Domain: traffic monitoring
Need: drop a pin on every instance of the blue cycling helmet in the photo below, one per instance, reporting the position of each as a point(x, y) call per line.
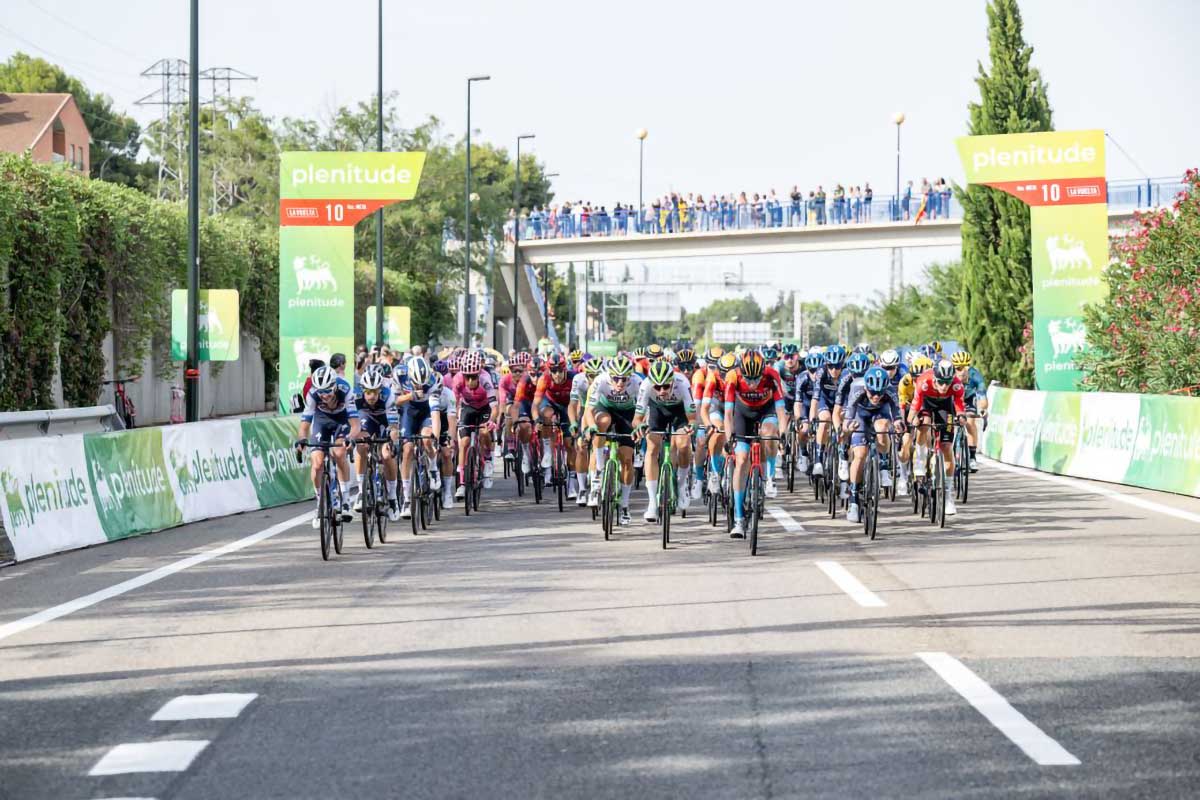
point(791, 349)
point(441, 366)
point(813, 361)
point(835, 356)
point(858, 364)
point(928, 351)
point(876, 380)
point(770, 353)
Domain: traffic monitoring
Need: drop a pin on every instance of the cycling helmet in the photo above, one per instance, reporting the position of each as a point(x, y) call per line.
point(441, 366)
point(752, 364)
point(536, 363)
point(519, 361)
point(770, 352)
point(401, 371)
point(472, 364)
point(961, 359)
point(592, 367)
point(937, 346)
point(661, 373)
point(921, 362)
point(556, 363)
point(454, 365)
point(686, 358)
point(371, 381)
point(438, 384)
point(858, 364)
point(813, 361)
point(876, 380)
point(908, 356)
point(324, 379)
point(889, 359)
point(726, 362)
point(489, 362)
point(862, 347)
point(419, 372)
point(943, 372)
point(775, 345)
point(835, 356)
point(928, 351)
point(790, 350)
point(620, 367)
point(713, 354)
point(575, 357)
point(639, 352)
point(654, 352)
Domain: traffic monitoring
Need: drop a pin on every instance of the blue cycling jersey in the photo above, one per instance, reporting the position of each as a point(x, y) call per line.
point(974, 385)
point(339, 404)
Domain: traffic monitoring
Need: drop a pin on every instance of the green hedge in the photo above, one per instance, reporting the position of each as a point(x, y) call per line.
point(80, 258)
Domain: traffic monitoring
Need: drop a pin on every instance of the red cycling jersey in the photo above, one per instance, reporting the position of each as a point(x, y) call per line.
point(737, 390)
point(714, 386)
point(929, 389)
point(525, 387)
point(557, 393)
point(698, 379)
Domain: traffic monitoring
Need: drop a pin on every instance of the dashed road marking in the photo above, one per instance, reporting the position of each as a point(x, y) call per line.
point(203, 706)
point(87, 601)
point(850, 584)
point(785, 519)
point(169, 756)
point(988, 702)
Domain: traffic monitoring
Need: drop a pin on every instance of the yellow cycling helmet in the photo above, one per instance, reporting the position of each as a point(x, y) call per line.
point(654, 352)
point(727, 362)
point(920, 363)
point(937, 346)
point(713, 354)
point(961, 359)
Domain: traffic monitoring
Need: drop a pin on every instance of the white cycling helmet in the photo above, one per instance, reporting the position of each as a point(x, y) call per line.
point(324, 379)
point(889, 359)
point(372, 380)
point(418, 372)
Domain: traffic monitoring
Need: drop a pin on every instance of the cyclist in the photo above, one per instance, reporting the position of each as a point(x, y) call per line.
point(378, 417)
point(824, 398)
point(489, 365)
point(938, 395)
point(665, 402)
point(705, 365)
point(975, 397)
point(712, 408)
point(577, 411)
point(329, 415)
point(576, 359)
point(477, 405)
point(904, 392)
point(641, 364)
point(787, 364)
point(520, 405)
point(551, 397)
point(654, 352)
point(805, 387)
point(871, 407)
point(856, 367)
point(418, 416)
point(447, 423)
point(753, 406)
point(613, 402)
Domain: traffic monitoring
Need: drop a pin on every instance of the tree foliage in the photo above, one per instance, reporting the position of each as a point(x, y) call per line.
point(1145, 335)
point(918, 313)
point(997, 288)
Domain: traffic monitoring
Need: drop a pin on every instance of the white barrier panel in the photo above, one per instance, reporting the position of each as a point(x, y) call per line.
point(207, 468)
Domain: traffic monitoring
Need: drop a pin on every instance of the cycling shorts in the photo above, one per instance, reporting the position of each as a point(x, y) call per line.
point(416, 418)
point(621, 420)
point(525, 410)
point(470, 417)
point(375, 427)
point(866, 426)
point(560, 411)
point(325, 428)
point(825, 402)
point(662, 418)
point(940, 409)
point(746, 420)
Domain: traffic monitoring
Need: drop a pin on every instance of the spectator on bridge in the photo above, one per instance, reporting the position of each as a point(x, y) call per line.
point(868, 195)
point(839, 204)
point(822, 198)
point(945, 197)
point(794, 209)
point(907, 201)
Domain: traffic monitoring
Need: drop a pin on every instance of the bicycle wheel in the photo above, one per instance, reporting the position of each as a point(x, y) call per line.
point(941, 510)
point(381, 508)
point(323, 513)
point(755, 509)
point(560, 477)
point(818, 484)
point(437, 502)
point(871, 518)
point(339, 528)
point(713, 504)
point(468, 478)
point(368, 507)
point(962, 461)
point(937, 485)
point(727, 494)
point(518, 473)
point(789, 461)
point(416, 489)
point(608, 500)
point(475, 492)
point(665, 497)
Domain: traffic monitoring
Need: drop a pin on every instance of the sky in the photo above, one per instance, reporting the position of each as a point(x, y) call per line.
point(768, 95)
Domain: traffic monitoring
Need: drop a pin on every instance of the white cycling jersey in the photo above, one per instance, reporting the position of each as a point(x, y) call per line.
point(604, 395)
point(680, 394)
point(579, 388)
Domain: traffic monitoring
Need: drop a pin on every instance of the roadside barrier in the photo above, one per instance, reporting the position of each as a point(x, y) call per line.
point(75, 491)
point(1147, 440)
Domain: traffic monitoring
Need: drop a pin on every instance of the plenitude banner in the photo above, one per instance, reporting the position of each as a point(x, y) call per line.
point(277, 477)
point(208, 469)
point(322, 196)
point(1061, 176)
point(130, 482)
point(218, 325)
point(1144, 440)
point(397, 324)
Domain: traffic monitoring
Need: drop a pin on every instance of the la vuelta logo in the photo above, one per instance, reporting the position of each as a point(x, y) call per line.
point(33, 497)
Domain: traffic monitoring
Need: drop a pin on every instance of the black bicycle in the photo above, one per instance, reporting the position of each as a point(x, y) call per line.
point(329, 499)
point(374, 493)
point(472, 469)
point(422, 495)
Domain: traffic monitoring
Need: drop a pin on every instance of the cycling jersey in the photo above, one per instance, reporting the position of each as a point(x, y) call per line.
point(738, 390)
point(905, 389)
point(579, 388)
point(679, 396)
point(826, 385)
point(482, 396)
point(699, 377)
point(973, 386)
point(557, 393)
point(506, 390)
point(927, 389)
point(861, 408)
point(340, 403)
point(806, 386)
point(606, 397)
point(377, 416)
point(843, 388)
point(787, 378)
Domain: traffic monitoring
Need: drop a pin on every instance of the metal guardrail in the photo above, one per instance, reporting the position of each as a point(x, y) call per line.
point(59, 422)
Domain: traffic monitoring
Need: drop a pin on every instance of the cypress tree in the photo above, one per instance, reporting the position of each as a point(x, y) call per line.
point(997, 289)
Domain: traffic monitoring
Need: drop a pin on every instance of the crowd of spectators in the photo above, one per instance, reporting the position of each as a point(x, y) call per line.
point(674, 212)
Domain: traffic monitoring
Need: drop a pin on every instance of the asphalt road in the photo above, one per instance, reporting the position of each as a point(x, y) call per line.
point(1046, 643)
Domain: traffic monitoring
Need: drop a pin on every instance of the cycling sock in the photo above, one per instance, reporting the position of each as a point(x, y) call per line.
point(581, 480)
point(545, 445)
point(361, 480)
point(771, 468)
point(626, 490)
point(346, 490)
point(718, 463)
point(447, 485)
point(971, 450)
point(407, 491)
point(681, 475)
point(652, 489)
point(854, 492)
point(739, 497)
point(391, 487)
point(698, 472)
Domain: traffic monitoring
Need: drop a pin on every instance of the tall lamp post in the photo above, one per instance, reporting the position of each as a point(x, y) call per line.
point(641, 134)
point(516, 300)
point(546, 279)
point(897, 118)
point(191, 371)
point(467, 222)
point(379, 213)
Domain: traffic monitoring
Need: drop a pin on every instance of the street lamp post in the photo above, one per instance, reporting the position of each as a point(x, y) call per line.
point(641, 134)
point(516, 300)
point(467, 222)
point(191, 372)
point(897, 118)
point(379, 213)
point(546, 280)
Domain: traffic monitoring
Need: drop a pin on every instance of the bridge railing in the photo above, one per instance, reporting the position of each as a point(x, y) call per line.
point(1122, 195)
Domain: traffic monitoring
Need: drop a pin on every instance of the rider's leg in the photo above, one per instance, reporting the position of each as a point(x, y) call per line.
point(389, 470)
point(318, 464)
point(741, 467)
point(406, 468)
point(626, 454)
point(770, 449)
point(653, 445)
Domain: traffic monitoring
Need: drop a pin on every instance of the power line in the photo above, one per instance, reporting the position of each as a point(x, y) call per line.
point(1129, 157)
point(84, 32)
point(69, 61)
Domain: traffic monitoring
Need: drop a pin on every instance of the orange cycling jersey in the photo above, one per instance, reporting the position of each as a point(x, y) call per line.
point(525, 387)
point(767, 389)
point(714, 386)
point(698, 379)
point(557, 393)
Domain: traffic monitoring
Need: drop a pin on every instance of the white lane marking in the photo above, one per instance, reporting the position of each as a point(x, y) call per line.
point(203, 706)
point(850, 584)
point(1104, 491)
point(87, 601)
point(169, 756)
point(785, 519)
point(988, 702)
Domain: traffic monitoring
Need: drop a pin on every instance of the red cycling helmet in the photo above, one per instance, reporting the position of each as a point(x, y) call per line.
point(556, 363)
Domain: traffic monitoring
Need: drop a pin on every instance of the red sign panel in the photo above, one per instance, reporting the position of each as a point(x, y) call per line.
point(1061, 192)
point(327, 212)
